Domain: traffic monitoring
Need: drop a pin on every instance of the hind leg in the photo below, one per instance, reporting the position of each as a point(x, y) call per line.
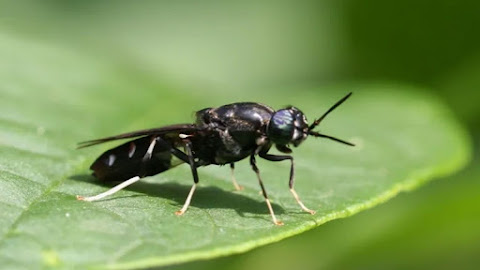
point(110, 191)
point(146, 158)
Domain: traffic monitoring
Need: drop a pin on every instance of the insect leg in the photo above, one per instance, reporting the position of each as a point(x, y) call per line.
point(124, 184)
point(177, 153)
point(292, 177)
point(148, 155)
point(110, 191)
point(193, 166)
point(234, 180)
point(264, 192)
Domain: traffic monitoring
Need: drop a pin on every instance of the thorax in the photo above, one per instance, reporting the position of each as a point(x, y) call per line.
point(236, 129)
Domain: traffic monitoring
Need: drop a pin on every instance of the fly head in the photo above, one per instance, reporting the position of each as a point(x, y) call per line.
point(288, 126)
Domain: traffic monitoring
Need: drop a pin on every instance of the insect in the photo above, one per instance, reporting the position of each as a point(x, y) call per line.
point(220, 136)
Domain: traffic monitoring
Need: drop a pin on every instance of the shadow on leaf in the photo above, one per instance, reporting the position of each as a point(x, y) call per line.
point(205, 197)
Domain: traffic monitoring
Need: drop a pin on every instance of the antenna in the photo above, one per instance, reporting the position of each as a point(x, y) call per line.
point(316, 134)
point(316, 122)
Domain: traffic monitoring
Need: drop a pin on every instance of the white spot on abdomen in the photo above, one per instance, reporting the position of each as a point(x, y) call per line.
point(111, 160)
point(132, 149)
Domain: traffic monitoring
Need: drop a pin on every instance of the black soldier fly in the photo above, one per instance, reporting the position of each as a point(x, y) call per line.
point(220, 136)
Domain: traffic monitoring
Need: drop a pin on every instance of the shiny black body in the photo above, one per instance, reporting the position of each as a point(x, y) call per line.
point(234, 131)
point(219, 136)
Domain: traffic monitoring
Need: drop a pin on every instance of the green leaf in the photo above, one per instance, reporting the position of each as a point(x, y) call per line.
point(432, 228)
point(51, 98)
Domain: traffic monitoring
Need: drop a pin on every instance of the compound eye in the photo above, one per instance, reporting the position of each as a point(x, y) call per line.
point(281, 127)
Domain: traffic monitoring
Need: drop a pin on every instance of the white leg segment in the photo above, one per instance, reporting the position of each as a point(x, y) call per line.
point(274, 218)
point(148, 155)
point(304, 208)
point(187, 201)
point(110, 191)
point(234, 180)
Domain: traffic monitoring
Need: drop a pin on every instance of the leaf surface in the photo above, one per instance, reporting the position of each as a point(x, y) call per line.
point(51, 98)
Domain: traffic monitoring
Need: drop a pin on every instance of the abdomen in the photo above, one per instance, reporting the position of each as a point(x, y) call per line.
point(126, 161)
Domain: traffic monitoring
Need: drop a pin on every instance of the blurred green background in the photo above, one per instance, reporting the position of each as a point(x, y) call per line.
point(203, 47)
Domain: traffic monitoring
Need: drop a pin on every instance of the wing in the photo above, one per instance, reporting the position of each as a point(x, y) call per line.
point(166, 131)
